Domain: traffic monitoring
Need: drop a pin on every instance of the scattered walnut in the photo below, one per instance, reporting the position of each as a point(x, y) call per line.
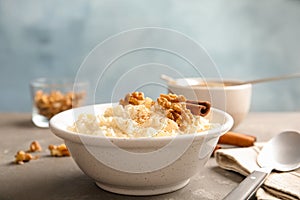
point(173, 107)
point(136, 98)
point(148, 102)
point(138, 95)
point(177, 107)
point(162, 101)
point(34, 146)
point(59, 151)
point(173, 98)
point(175, 116)
point(50, 104)
point(22, 157)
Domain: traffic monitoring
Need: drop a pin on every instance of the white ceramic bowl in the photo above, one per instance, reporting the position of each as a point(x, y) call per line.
point(140, 166)
point(233, 99)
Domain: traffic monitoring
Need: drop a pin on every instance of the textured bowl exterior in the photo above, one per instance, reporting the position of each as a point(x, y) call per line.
point(86, 151)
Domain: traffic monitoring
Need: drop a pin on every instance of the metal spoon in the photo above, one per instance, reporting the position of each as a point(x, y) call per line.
point(281, 153)
point(288, 76)
point(167, 78)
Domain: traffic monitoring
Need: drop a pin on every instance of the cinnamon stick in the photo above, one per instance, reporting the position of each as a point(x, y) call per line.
point(201, 108)
point(237, 139)
point(215, 149)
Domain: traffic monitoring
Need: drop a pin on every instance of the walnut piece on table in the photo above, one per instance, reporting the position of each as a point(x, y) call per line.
point(35, 146)
point(59, 151)
point(21, 157)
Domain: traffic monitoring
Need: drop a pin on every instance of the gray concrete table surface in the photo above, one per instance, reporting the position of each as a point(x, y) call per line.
point(60, 178)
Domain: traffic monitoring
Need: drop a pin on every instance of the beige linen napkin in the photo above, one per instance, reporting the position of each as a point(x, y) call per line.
point(279, 185)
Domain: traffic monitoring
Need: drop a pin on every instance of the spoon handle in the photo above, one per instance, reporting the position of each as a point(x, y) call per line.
point(248, 186)
point(288, 76)
point(167, 78)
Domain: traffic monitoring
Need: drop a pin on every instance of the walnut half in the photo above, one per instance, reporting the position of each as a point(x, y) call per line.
point(59, 151)
point(172, 106)
point(35, 146)
point(136, 98)
point(22, 157)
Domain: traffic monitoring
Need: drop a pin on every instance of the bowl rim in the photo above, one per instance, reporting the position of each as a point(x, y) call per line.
point(197, 87)
point(44, 82)
point(96, 139)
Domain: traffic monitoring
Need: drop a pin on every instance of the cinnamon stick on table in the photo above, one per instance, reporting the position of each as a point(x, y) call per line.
point(218, 146)
point(237, 139)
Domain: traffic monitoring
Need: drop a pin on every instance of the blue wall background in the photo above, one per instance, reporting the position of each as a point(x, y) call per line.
point(247, 39)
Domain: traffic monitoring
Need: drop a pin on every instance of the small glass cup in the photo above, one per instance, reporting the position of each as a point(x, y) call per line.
point(52, 96)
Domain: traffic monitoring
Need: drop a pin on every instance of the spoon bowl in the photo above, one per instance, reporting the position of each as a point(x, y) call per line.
point(281, 153)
